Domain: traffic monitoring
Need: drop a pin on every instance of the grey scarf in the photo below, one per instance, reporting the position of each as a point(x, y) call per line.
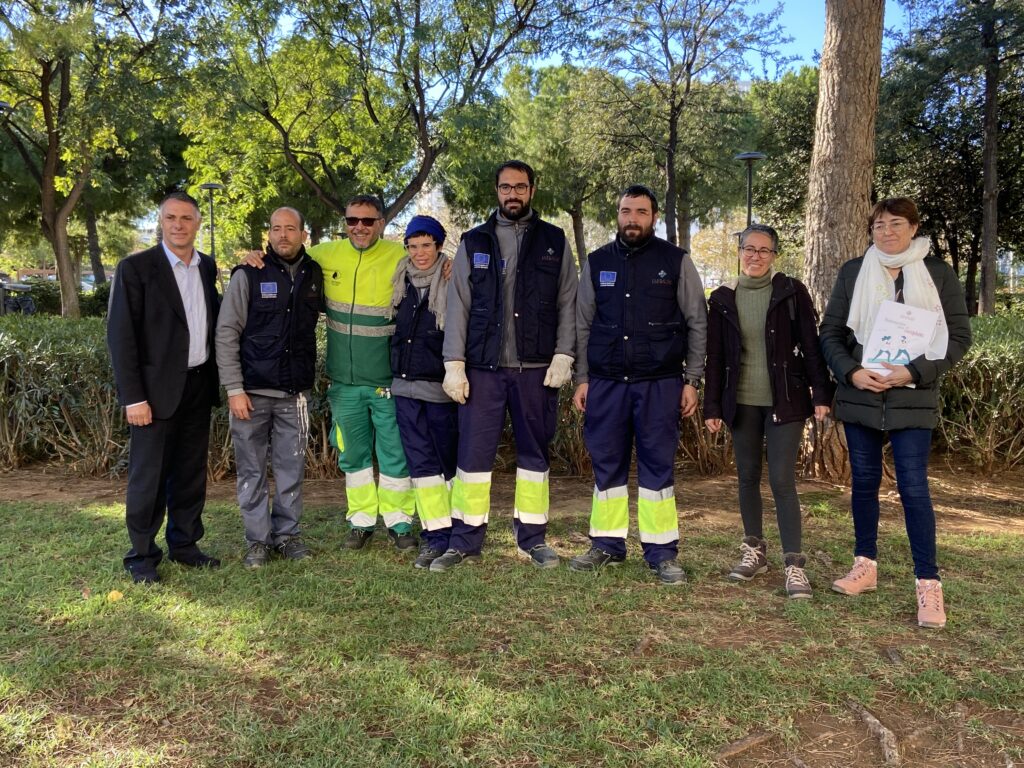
point(432, 279)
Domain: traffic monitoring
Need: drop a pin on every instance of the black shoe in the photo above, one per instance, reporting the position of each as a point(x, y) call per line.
point(669, 572)
point(428, 554)
point(143, 573)
point(403, 541)
point(594, 560)
point(541, 556)
point(194, 559)
point(451, 559)
point(357, 538)
point(293, 548)
point(257, 555)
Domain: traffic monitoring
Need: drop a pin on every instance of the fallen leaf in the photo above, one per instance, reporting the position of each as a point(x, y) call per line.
point(113, 596)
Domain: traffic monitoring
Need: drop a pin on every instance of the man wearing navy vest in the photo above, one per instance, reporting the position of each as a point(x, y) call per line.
point(641, 331)
point(508, 346)
point(266, 354)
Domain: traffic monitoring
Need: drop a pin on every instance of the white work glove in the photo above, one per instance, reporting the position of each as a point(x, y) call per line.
point(559, 372)
point(455, 383)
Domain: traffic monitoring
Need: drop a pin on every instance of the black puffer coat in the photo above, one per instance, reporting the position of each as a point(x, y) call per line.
point(901, 407)
point(798, 377)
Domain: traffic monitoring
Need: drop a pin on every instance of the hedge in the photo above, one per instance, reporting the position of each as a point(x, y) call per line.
point(59, 406)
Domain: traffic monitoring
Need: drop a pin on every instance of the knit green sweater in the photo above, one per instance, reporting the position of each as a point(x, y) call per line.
point(753, 294)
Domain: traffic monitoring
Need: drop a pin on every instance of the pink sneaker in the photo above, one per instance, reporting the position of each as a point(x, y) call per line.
point(863, 577)
point(931, 612)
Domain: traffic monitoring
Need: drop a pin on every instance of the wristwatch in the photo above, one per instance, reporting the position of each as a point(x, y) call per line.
point(693, 382)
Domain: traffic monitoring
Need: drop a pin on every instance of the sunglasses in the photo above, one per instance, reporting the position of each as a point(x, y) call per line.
point(366, 221)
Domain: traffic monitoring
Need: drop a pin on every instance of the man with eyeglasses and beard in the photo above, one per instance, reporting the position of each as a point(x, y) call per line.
point(641, 332)
point(509, 345)
point(357, 273)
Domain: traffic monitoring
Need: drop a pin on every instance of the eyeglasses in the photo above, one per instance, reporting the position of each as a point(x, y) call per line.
point(366, 221)
point(750, 252)
point(519, 189)
point(891, 226)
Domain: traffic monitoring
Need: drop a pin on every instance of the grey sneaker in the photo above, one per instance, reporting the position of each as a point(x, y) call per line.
point(257, 555)
point(427, 555)
point(753, 559)
point(451, 559)
point(541, 556)
point(669, 572)
point(293, 548)
point(403, 541)
point(594, 560)
point(357, 538)
point(797, 584)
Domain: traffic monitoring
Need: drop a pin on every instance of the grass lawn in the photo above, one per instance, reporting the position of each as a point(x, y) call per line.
point(357, 659)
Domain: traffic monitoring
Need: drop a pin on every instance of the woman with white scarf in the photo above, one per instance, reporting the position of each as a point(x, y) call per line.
point(427, 418)
point(899, 403)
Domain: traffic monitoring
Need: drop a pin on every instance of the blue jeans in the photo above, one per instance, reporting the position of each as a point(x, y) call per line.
point(910, 450)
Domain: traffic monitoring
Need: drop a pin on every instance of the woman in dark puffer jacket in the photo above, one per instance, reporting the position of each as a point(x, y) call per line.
point(900, 402)
point(765, 377)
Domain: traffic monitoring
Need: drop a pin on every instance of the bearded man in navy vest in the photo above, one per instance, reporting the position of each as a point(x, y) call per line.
point(266, 354)
point(641, 332)
point(508, 346)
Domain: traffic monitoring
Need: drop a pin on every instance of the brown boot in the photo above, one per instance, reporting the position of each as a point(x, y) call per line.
point(753, 559)
point(797, 584)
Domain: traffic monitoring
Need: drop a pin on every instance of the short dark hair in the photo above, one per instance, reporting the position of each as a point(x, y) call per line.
point(639, 190)
point(896, 206)
point(764, 229)
point(516, 165)
point(296, 211)
point(371, 200)
point(182, 197)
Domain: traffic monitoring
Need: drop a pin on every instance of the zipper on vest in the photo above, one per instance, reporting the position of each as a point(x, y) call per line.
point(351, 315)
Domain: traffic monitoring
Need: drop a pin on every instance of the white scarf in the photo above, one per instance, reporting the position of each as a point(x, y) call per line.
point(874, 285)
point(431, 278)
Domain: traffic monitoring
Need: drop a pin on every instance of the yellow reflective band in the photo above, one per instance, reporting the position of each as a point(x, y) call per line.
point(609, 512)
point(657, 518)
point(339, 443)
point(532, 495)
point(471, 502)
point(433, 503)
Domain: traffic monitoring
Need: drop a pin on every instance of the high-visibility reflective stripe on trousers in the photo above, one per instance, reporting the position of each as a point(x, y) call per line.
point(656, 516)
point(433, 502)
point(471, 497)
point(395, 497)
point(532, 491)
point(609, 513)
point(361, 494)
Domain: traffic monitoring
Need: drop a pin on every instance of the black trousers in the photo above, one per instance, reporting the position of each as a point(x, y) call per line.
point(167, 473)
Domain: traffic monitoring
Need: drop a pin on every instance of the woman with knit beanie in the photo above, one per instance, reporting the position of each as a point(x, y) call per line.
point(900, 402)
point(427, 418)
point(764, 378)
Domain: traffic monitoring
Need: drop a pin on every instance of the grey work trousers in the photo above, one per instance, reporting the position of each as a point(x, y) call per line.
point(277, 429)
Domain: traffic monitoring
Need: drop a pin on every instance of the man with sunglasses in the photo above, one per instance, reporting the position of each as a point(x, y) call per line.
point(509, 342)
point(357, 274)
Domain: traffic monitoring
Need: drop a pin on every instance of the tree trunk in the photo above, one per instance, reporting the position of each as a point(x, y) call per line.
point(93, 237)
point(670, 177)
point(316, 234)
point(576, 213)
point(683, 223)
point(839, 183)
point(971, 279)
point(990, 170)
point(65, 268)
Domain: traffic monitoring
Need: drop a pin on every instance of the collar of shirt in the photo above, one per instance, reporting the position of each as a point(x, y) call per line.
point(173, 258)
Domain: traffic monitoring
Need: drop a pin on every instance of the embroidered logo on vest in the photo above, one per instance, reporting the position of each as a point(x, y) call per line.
point(268, 290)
point(607, 279)
point(481, 260)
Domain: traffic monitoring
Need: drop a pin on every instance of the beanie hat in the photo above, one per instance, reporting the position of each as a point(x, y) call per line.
point(425, 225)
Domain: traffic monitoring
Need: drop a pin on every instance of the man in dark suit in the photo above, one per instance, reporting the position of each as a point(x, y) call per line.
point(160, 330)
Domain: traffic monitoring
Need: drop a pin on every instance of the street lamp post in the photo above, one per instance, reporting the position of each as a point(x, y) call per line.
point(749, 158)
point(210, 186)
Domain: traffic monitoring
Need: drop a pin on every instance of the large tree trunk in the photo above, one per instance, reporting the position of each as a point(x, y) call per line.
point(839, 184)
point(576, 214)
point(57, 235)
point(971, 278)
point(93, 237)
point(990, 170)
point(683, 223)
point(670, 174)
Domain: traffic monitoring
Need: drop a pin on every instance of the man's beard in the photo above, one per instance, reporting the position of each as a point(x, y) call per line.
point(521, 212)
point(289, 257)
point(636, 237)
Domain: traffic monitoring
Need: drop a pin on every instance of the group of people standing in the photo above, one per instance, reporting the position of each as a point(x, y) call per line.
point(427, 357)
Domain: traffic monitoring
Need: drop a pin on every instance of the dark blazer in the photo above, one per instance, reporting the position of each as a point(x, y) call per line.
point(147, 332)
point(797, 374)
point(901, 407)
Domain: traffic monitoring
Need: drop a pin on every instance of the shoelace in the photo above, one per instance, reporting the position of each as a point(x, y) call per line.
point(859, 571)
point(750, 557)
point(930, 593)
point(795, 575)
